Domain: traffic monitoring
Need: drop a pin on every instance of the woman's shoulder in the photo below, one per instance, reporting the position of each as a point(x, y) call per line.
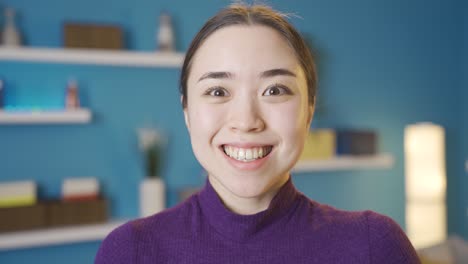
point(376, 224)
point(119, 245)
point(166, 221)
point(324, 213)
point(332, 215)
point(116, 245)
point(386, 240)
point(375, 233)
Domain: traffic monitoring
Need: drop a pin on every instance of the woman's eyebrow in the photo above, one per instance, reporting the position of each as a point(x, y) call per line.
point(276, 72)
point(265, 74)
point(215, 75)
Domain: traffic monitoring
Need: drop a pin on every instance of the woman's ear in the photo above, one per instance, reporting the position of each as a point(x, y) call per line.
point(310, 114)
point(186, 117)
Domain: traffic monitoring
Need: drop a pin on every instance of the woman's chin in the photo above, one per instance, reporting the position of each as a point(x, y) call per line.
point(249, 188)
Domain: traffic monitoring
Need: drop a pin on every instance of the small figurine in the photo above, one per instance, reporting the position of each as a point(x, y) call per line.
point(10, 34)
point(72, 100)
point(165, 37)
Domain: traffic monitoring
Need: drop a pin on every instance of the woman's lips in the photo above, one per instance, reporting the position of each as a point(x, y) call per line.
point(247, 157)
point(246, 154)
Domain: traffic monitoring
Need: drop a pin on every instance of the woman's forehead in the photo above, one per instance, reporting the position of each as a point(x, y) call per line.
point(244, 49)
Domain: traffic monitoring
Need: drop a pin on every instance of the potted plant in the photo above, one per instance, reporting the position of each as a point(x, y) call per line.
point(152, 188)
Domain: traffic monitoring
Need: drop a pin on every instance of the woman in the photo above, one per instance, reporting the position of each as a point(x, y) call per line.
point(248, 88)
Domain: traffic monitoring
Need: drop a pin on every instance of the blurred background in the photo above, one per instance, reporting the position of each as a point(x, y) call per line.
point(382, 66)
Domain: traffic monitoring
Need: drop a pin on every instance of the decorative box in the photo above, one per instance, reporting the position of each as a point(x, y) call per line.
point(319, 144)
point(77, 212)
point(52, 214)
point(355, 142)
point(23, 217)
point(18, 193)
point(77, 35)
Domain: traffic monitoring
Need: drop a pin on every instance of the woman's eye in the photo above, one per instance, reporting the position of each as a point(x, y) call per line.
point(276, 90)
point(217, 92)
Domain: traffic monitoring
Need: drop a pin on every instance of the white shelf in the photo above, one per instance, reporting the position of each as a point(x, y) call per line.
point(382, 161)
point(93, 57)
point(78, 116)
point(56, 236)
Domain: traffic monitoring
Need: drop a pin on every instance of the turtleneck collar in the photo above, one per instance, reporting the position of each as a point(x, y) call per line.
point(243, 227)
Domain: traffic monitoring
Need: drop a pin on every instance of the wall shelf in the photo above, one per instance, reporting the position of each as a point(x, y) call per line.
point(79, 116)
point(340, 163)
point(56, 236)
point(93, 57)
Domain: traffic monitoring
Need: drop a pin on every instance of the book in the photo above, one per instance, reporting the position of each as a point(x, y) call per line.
point(356, 142)
point(319, 144)
point(19, 193)
point(86, 188)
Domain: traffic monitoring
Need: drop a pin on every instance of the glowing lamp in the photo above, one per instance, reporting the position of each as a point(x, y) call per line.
point(425, 184)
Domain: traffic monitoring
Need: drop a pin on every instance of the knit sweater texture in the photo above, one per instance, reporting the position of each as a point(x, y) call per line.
point(293, 229)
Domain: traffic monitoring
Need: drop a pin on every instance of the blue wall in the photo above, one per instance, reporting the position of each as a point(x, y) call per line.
point(463, 190)
point(383, 65)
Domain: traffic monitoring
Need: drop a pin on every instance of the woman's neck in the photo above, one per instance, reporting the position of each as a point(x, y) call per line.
point(246, 205)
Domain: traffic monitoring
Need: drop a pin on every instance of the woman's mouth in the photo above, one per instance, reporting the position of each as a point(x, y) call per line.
point(246, 154)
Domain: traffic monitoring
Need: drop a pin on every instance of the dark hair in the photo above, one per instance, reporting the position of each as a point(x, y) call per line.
point(240, 14)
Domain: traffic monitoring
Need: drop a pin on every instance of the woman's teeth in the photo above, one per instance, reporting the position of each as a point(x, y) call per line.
point(246, 154)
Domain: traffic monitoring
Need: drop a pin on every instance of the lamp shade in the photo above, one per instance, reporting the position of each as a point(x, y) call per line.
point(425, 162)
point(425, 184)
point(426, 223)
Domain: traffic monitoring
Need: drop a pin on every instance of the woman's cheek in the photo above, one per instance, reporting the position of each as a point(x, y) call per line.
point(289, 117)
point(207, 118)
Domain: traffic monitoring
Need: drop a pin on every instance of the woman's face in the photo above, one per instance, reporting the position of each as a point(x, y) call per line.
point(247, 109)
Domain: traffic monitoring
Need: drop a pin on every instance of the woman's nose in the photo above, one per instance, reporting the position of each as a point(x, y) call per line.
point(245, 116)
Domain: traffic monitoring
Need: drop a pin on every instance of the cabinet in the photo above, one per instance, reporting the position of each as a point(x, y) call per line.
point(72, 234)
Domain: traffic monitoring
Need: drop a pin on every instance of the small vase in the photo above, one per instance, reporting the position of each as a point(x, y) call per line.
point(165, 37)
point(152, 196)
point(10, 34)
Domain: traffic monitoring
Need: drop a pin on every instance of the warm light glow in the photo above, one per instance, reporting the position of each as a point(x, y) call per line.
point(425, 184)
point(426, 223)
point(425, 162)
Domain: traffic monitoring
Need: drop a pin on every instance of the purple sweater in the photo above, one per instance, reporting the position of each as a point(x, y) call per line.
point(293, 229)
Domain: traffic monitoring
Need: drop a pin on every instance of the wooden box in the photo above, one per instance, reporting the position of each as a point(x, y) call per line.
point(77, 212)
point(23, 217)
point(53, 213)
point(92, 36)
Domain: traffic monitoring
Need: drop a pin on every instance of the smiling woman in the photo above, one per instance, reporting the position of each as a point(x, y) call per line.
point(248, 89)
point(242, 100)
